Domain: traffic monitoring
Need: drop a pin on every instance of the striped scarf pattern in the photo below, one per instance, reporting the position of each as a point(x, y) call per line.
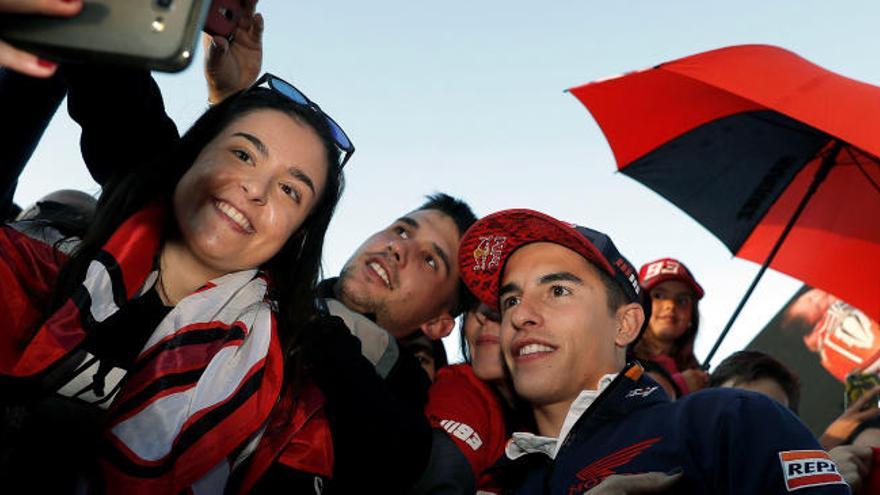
point(199, 394)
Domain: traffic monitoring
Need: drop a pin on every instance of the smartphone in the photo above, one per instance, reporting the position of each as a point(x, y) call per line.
point(223, 16)
point(153, 34)
point(857, 385)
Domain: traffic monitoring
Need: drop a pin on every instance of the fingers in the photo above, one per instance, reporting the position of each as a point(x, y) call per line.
point(871, 395)
point(219, 44)
point(47, 7)
point(249, 7)
point(24, 62)
point(865, 415)
point(257, 29)
point(252, 26)
point(632, 484)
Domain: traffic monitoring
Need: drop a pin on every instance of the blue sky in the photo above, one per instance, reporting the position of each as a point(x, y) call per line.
point(467, 98)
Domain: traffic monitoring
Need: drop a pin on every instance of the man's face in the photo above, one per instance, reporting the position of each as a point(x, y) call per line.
point(406, 274)
point(558, 336)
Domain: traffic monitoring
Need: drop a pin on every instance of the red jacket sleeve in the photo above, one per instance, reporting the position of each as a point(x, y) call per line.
point(467, 410)
point(28, 271)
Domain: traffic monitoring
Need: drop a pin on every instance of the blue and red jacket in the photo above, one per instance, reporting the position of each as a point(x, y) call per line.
point(727, 441)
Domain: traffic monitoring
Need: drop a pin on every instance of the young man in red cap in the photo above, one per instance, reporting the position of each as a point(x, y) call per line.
point(570, 304)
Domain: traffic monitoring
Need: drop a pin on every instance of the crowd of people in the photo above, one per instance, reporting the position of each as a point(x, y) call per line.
point(177, 335)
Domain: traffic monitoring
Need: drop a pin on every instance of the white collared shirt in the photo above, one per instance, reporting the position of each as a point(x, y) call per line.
point(523, 443)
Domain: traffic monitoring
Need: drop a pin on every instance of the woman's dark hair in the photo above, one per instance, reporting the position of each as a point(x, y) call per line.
point(293, 271)
point(463, 216)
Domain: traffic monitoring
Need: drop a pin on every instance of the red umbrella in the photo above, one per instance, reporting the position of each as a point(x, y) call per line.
point(773, 154)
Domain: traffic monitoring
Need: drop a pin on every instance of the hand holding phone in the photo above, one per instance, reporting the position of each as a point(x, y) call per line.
point(152, 34)
point(223, 17)
point(858, 388)
point(20, 60)
point(233, 62)
point(860, 399)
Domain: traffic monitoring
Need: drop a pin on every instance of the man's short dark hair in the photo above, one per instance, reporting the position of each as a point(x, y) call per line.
point(463, 217)
point(749, 366)
point(615, 295)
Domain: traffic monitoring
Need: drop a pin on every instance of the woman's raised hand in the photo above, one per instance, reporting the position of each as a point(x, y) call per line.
point(20, 60)
point(231, 66)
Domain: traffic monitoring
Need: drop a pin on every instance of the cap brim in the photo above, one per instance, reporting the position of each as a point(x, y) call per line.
point(690, 282)
point(486, 246)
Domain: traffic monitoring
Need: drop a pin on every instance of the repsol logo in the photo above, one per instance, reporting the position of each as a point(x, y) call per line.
point(808, 468)
point(811, 467)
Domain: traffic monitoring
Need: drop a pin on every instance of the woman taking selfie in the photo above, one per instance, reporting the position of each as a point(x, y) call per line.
point(164, 345)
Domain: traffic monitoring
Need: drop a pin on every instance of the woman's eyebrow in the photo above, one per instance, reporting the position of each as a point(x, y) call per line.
point(296, 173)
point(255, 141)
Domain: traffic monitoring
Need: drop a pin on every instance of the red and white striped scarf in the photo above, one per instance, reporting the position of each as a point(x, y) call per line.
point(198, 397)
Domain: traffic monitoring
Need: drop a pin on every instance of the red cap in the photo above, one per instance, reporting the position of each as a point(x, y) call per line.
point(485, 247)
point(665, 269)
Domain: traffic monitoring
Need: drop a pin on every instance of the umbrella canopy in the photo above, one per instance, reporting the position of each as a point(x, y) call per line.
point(735, 137)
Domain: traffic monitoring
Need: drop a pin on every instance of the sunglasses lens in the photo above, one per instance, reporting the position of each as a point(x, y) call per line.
point(297, 97)
point(339, 135)
point(289, 91)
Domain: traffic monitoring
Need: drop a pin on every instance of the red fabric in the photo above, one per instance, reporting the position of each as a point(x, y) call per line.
point(680, 95)
point(487, 244)
point(841, 236)
point(665, 269)
point(28, 269)
point(304, 443)
point(641, 111)
point(872, 483)
point(461, 402)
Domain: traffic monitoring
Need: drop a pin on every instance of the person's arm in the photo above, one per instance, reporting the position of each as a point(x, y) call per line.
point(28, 106)
point(234, 66)
point(28, 272)
point(122, 112)
point(854, 462)
point(857, 413)
point(465, 442)
point(122, 115)
point(381, 439)
point(20, 60)
point(765, 449)
point(448, 471)
point(635, 484)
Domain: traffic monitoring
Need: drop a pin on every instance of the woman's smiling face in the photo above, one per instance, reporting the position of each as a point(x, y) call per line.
point(249, 190)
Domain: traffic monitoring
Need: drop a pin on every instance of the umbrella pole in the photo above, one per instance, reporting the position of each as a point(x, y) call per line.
point(820, 176)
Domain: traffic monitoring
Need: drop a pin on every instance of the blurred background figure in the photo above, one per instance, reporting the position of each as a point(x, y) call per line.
point(843, 336)
point(759, 372)
point(60, 218)
point(430, 353)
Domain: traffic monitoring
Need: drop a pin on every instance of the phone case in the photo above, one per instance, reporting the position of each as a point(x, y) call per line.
point(223, 17)
point(154, 34)
point(857, 385)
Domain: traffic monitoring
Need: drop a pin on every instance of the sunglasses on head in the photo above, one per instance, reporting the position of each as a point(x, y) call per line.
point(283, 87)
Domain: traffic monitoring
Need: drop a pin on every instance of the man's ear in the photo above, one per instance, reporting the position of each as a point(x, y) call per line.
point(438, 327)
point(630, 318)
